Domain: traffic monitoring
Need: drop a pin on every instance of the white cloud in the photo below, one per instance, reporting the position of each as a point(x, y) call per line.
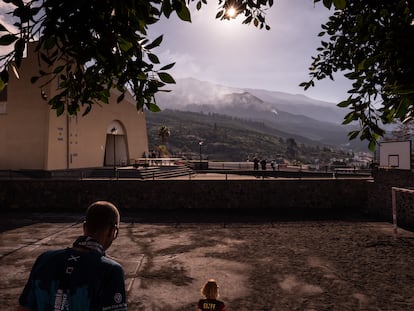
point(237, 55)
point(186, 65)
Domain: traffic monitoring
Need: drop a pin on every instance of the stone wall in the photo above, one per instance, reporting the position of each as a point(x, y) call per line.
point(380, 197)
point(362, 195)
point(287, 195)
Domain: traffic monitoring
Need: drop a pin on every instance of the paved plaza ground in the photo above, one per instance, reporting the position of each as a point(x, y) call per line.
point(261, 265)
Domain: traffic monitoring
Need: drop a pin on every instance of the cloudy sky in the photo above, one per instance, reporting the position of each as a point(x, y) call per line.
point(232, 54)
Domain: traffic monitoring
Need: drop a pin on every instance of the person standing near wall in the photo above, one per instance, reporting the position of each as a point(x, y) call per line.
point(81, 277)
point(263, 164)
point(256, 164)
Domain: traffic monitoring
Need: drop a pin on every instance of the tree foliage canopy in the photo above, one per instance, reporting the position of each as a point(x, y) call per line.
point(94, 46)
point(372, 41)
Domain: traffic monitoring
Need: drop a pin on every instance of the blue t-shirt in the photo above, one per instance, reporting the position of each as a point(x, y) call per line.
point(74, 280)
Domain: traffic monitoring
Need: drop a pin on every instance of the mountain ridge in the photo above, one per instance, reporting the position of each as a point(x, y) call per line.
point(295, 114)
point(227, 138)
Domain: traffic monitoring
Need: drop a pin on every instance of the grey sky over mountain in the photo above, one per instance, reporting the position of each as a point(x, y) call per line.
point(236, 55)
point(232, 54)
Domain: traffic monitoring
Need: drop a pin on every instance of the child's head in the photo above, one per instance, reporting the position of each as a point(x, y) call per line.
point(210, 289)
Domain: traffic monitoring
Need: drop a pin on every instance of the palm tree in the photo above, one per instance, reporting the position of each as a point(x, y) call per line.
point(164, 133)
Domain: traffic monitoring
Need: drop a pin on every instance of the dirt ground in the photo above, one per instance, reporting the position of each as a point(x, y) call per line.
point(286, 265)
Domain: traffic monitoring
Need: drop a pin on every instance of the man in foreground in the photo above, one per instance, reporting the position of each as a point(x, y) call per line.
point(80, 278)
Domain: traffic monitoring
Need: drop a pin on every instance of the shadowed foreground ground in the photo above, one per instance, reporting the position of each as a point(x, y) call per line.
point(301, 265)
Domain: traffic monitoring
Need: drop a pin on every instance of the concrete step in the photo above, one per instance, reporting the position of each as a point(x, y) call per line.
point(165, 172)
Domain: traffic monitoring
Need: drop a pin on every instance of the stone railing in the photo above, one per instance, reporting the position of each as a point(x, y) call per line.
point(257, 194)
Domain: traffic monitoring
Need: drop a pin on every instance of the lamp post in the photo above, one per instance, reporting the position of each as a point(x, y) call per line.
point(200, 143)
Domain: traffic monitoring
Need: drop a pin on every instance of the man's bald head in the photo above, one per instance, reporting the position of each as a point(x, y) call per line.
point(100, 216)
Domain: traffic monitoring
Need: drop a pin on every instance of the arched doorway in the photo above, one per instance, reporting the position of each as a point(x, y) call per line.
point(116, 153)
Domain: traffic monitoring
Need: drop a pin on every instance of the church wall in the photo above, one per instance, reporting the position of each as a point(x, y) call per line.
point(24, 125)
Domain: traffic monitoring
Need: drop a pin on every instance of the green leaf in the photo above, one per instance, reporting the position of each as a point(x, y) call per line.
point(327, 3)
point(371, 145)
point(87, 110)
point(60, 109)
point(167, 67)
point(361, 65)
point(49, 43)
point(167, 8)
point(154, 43)
point(120, 98)
point(8, 39)
point(124, 45)
point(353, 134)
point(184, 13)
point(142, 76)
point(166, 77)
point(402, 107)
point(139, 102)
point(153, 58)
point(19, 47)
point(352, 116)
point(340, 4)
point(305, 85)
point(344, 104)
point(4, 75)
point(153, 107)
point(58, 69)
point(248, 20)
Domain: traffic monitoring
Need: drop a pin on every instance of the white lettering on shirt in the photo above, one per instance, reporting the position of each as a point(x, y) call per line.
point(209, 306)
